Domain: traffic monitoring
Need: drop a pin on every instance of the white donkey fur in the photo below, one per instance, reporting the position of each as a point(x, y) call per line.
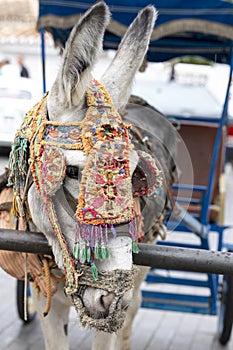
point(65, 103)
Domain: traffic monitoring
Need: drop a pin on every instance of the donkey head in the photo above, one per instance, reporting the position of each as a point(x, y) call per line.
point(98, 159)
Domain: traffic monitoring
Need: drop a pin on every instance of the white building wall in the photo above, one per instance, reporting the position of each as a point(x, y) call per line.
point(215, 77)
point(32, 60)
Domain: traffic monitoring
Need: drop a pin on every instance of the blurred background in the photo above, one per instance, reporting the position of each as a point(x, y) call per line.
point(187, 87)
point(191, 89)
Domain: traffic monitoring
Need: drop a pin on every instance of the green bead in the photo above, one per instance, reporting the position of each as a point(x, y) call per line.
point(88, 257)
point(135, 248)
point(76, 251)
point(100, 253)
point(94, 271)
point(84, 254)
point(96, 251)
point(107, 253)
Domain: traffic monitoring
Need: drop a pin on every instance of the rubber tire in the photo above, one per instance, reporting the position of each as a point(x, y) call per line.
point(226, 310)
point(20, 302)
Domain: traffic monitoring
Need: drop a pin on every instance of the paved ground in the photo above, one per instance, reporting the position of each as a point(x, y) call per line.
point(153, 330)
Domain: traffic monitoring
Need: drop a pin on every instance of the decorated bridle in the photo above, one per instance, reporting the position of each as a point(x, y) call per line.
point(106, 198)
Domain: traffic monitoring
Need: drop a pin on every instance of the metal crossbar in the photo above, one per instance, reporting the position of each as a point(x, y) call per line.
point(174, 258)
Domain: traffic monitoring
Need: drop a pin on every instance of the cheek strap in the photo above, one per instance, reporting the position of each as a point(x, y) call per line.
point(53, 169)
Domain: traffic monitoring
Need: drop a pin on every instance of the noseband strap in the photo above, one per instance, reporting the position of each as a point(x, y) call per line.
point(117, 282)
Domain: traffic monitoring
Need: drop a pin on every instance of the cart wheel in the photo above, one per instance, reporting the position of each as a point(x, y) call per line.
point(20, 302)
point(226, 310)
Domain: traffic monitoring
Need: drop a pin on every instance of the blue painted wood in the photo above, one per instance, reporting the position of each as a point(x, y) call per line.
point(43, 58)
point(152, 278)
point(178, 308)
point(178, 302)
point(200, 299)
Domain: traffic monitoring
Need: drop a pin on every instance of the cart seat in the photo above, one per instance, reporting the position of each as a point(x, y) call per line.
point(199, 138)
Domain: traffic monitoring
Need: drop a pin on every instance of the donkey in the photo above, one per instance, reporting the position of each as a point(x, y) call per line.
point(81, 149)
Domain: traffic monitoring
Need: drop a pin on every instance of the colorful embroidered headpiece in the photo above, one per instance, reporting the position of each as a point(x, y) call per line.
point(105, 197)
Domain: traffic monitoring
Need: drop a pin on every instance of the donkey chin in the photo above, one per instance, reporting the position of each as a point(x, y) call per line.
point(103, 306)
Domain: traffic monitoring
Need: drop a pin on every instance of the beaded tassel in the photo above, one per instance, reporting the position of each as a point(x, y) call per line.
point(135, 248)
point(94, 271)
point(91, 242)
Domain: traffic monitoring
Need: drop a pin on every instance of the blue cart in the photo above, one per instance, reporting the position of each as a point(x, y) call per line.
point(203, 28)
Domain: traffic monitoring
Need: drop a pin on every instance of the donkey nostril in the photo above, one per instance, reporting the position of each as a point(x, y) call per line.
point(97, 302)
point(106, 300)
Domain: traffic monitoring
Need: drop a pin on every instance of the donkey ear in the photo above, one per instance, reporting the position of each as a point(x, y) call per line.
point(119, 76)
point(80, 53)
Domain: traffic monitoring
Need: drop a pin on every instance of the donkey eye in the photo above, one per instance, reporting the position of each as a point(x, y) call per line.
point(72, 171)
